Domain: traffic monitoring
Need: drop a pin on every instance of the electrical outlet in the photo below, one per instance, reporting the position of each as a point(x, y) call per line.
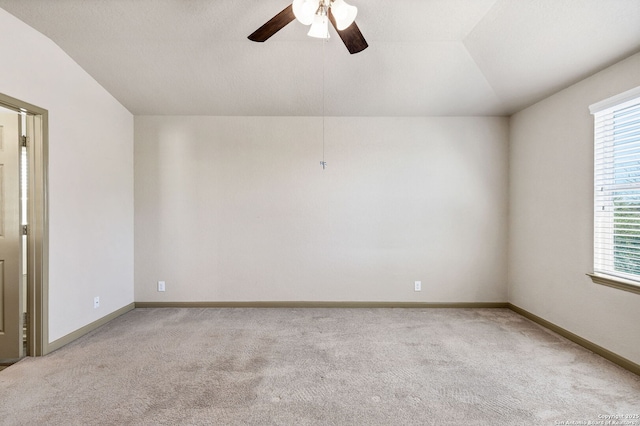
point(417, 285)
point(96, 302)
point(161, 286)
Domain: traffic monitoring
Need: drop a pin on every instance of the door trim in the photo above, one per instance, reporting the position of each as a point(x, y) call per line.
point(38, 219)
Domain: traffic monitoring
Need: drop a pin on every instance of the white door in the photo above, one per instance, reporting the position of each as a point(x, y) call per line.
point(11, 294)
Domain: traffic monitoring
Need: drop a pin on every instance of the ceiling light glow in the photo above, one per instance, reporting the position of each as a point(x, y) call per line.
point(320, 27)
point(305, 10)
point(343, 13)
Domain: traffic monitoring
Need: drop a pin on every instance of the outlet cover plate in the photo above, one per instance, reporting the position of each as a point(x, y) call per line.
point(96, 302)
point(161, 286)
point(417, 285)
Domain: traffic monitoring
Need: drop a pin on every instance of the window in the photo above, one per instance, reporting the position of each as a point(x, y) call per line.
point(617, 191)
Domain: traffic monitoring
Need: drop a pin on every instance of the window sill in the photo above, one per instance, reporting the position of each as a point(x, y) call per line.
point(615, 282)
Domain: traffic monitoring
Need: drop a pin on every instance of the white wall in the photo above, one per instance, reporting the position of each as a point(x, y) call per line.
point(90, 177)
point(551, 216)
point(239, 209)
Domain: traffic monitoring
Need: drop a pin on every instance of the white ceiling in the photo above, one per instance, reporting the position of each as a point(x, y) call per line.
point(425, 57)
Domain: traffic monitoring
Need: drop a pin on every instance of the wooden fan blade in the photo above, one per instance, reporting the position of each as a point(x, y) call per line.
point(274, 25)
point(351, 36)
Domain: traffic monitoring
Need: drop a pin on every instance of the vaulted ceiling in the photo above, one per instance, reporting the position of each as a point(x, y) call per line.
point(425, 57)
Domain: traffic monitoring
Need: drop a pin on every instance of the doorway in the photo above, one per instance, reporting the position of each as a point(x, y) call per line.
point(23, 231)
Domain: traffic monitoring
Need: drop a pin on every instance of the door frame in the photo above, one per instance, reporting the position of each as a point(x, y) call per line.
point(38, 220)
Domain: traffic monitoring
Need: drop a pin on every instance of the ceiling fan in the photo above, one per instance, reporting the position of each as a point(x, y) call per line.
point(318, 14)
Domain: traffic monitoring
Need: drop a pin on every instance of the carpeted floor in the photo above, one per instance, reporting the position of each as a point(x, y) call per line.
point(318, 366)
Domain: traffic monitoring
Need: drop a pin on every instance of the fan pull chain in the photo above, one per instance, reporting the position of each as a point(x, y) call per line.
point(323, 163)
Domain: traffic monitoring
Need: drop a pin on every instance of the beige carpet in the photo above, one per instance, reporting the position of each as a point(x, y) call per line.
point(317, 366)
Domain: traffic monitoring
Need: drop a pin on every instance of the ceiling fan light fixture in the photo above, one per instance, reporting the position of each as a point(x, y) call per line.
point(305, 10)
point(344, 14)
point(320, 27)
point(319, 20)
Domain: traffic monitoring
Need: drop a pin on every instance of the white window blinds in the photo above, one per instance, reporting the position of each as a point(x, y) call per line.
point(617, 186)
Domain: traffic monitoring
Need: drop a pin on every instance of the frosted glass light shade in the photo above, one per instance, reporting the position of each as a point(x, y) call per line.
point(320, 27)
point(343, 13)
point(305, 10)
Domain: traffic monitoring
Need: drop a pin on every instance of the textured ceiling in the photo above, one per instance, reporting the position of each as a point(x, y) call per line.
point(425, 57)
